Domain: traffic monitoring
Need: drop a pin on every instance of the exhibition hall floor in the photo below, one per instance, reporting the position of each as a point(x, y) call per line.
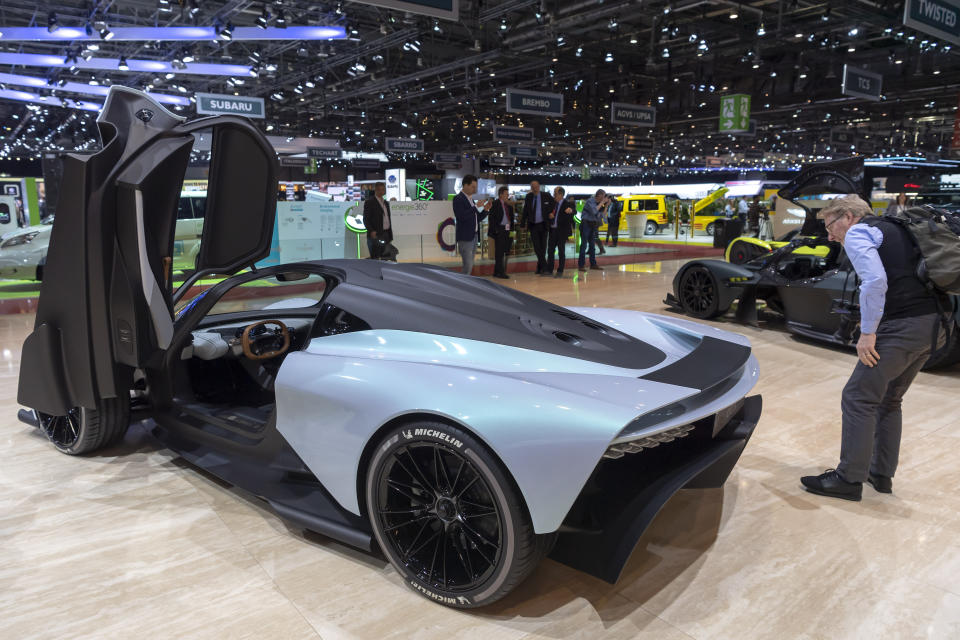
point(134, 542)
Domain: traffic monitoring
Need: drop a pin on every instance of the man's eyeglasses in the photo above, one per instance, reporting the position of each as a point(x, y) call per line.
point(827, 225)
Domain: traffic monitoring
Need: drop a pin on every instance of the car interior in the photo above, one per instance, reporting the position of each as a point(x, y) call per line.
point(802, 266)
point(230, 352)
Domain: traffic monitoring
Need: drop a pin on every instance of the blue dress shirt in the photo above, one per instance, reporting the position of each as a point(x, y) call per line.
point(861, 244)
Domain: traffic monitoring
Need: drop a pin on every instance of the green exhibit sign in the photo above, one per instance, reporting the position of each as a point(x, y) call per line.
point(734, 113)
point(215, 104)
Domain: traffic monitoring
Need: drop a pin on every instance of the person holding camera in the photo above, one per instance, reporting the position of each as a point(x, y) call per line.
point(613, 220)
point(589, 223)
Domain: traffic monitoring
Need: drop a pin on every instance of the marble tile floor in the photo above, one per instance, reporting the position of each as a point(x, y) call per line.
point(135, 543)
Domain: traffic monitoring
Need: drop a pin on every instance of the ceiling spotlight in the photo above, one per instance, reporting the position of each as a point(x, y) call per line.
point(310, 84)
point(436, 26)
point(579, 51)
point(633, 39)
point(503, 24)
point(105, 33)
point(612, 24)
point(226, 32)
point(608, 57)
point(164, 6)
point(826, 15)
point(263, 18)
point(851, 48)
point(761, 31)
point(123, 66)
point(189, 57)
point(281, 20)
point(194, 8)
point(52, 24)
point(854, 32)
point(170, 76)
point(86, 54)
point(277, 95)
point(734, 14)
point(666, 52)
point(298, 89)
point(798, 34)
point(561, 40)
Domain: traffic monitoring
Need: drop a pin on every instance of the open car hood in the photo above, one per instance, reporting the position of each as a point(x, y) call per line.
point(105, 301)
point(822, 178)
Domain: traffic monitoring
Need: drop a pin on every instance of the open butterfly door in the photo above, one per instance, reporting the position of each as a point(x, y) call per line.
point(105, 301)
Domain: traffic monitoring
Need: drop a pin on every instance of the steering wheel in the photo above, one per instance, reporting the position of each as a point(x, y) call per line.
point(259, 343)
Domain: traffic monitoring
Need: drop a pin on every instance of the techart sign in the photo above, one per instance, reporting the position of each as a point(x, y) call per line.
point(214, 104)
point(939, 18)
point(534, 103)
point(635, 115)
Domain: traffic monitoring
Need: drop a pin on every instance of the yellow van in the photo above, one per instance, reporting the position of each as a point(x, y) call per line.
point(655, 208)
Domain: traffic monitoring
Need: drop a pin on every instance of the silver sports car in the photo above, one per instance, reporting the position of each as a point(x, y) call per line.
point(464, 429)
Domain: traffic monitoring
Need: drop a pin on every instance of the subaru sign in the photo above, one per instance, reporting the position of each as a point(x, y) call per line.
point(635, 115)
point(214, 104)
point(404, 145)
point(534, 103)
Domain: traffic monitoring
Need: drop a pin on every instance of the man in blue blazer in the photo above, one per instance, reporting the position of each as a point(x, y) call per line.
point(468, 218)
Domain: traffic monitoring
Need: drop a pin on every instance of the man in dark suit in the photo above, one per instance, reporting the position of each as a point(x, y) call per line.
point(468, 220)
point(501, 225)
point(376, 218)
point(561, 226)
point(536, 207)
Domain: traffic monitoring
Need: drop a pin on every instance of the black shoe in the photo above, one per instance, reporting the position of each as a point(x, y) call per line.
point(558, 274)
point(883, 484)
point(832, 485)
point(501, 275)
point(596, 267)
point(546, 273)
point(581, 268)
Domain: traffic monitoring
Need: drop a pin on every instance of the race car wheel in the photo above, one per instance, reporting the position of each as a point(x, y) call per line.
point(84, 430)
point(709, 229)
point(698, 293)
point(742, 252)
point(448, 516)
point(651, 229)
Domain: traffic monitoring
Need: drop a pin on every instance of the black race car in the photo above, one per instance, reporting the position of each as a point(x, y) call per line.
point(808, 281)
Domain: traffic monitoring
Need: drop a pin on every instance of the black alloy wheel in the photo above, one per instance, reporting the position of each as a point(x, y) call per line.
point(440, 515)
point(62, 431)
point(698, 293)
point(448, 517)
point(741, 252)
point(83, 430)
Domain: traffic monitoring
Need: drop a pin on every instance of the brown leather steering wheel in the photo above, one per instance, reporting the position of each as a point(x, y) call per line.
point(247, 342)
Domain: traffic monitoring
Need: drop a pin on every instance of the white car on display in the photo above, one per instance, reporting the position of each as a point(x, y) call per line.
point(23, 253)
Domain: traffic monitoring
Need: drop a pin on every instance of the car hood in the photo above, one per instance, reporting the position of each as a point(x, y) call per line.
point(39, 228)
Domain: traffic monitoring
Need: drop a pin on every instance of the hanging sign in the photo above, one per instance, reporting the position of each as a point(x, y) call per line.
point(601, 156)
point(734, 113)
point(939, 18)
point(500, 161)
point(446, 158)
point(512, 134)
point(446, 9)
point(294, 161)
point(365, 163)
point(860, 83)
point(635, 115)
point(326, 154)
point(636, 143)
point(527, 153)
point(534, 103)
point(215, 104)
point(404, 145)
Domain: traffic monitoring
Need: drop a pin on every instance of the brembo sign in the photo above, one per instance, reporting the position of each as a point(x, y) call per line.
point(215, 104)
point(534, 102)
point(939, 18)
